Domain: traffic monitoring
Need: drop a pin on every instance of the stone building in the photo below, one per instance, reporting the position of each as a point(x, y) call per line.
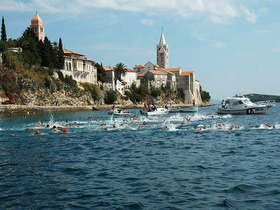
point(79, 67)
point(162, 53)
point(125, 82)
point(155, 78)
point(37, 26)
point(175, 78)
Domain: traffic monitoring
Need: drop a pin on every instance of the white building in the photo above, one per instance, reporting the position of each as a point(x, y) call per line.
point(127, 79)
point(79, 67)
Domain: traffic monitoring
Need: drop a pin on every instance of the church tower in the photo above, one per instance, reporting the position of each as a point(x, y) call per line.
point(37, 26)
point(162, 53)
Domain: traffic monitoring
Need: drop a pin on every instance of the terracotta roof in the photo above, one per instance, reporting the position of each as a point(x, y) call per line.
point(106, 68)
point(186, 73)
point(141, 75)
point(174, 69)
point(130, 70)
point(169, 72)
point(138, 67)
point(71, 52)
point(157, 72)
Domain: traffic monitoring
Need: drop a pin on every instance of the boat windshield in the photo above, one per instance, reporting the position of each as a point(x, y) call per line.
point(246, 101)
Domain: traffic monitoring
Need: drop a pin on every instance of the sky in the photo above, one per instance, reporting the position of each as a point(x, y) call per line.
point(232, 45)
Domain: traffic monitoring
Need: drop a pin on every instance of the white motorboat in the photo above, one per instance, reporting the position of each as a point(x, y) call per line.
point(154, 109)
point(157, 111)
point(118, 112)
point(184, 109)
point(238, 104)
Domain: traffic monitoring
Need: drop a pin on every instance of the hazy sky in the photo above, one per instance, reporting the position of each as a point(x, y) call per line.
point(232, 45)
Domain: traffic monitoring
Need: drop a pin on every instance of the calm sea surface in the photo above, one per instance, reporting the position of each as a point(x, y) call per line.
point(164, 163)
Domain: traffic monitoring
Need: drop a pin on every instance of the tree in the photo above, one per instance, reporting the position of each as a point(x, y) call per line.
point(60, 54)
point(205, 96)
point(3, 46)
point(120, 69)
point(101, 74)
point(3, 31)
point(111, 97)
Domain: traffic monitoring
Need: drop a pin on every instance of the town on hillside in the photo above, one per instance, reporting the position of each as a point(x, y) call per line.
point(120, 78)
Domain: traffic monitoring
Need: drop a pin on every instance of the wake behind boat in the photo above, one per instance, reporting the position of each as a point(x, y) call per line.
point(238, 104)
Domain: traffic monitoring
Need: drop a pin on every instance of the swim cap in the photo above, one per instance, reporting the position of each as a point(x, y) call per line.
point(37, 132)
point(65, 130)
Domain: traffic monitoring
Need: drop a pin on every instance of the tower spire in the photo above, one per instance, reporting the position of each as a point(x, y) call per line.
point(162, 52)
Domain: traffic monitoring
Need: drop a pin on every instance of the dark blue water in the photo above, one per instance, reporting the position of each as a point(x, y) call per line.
point(165, 163)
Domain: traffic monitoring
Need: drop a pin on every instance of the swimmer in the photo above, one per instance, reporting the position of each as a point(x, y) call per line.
point(269, 126)
point(71, 126)
point(62, 131)
point(146, 122)
point(36, 133)
point(102, 124)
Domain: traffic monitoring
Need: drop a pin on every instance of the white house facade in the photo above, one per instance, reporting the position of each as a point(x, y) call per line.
point(79, 67)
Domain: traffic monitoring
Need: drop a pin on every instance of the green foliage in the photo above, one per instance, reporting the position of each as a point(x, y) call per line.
point(155, 92)
point(60, 54)
point(205, 96)
point(3, 31)
point(93, 89)
point(137, 94)
point(111, 97)
point(36, 51)
point(47, 82)
point(120, 69)
point(3, 46)
point(260, 97)
point(101, 74)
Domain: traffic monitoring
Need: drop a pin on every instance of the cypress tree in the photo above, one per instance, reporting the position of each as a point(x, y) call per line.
point(60, 54)
point(3, 31)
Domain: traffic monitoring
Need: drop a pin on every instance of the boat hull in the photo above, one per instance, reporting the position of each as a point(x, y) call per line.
point(251, 110)
point(184, 109)
point(113, 112)
point(158, 111)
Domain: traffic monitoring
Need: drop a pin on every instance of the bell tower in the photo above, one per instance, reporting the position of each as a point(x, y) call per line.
point(162, 53)
point(37, 26)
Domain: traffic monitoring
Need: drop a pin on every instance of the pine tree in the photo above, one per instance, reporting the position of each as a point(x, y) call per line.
point(3, 31)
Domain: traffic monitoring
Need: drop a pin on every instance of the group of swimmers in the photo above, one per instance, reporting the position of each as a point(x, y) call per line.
point(54, 127)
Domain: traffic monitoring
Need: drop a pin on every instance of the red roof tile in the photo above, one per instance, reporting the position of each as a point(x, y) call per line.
point(186, 73)
point(174, 69)
point(157, 72)
point(71, 52)
point(138, 67)
point(107, 68)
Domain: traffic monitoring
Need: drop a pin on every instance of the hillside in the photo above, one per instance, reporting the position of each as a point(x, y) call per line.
point(260, 97)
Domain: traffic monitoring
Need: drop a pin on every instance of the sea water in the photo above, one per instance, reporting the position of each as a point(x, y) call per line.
point(177, 161)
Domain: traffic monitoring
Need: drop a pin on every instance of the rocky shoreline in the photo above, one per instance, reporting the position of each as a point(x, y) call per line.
point(31, 108)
